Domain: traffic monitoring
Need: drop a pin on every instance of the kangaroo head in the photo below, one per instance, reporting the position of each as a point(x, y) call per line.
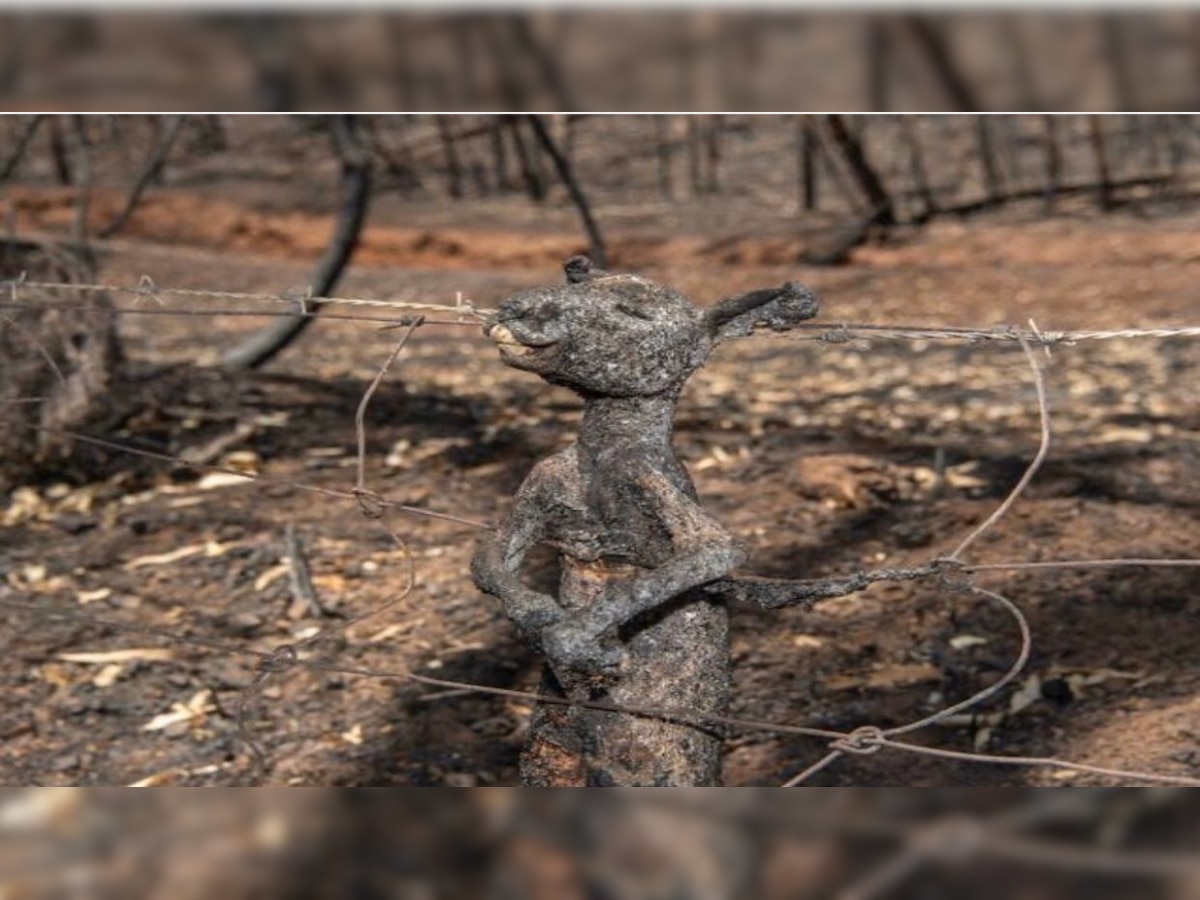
point(617, 335)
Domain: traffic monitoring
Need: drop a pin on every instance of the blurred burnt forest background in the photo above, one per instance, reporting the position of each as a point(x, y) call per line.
point(578, 60)
point(821, 184)
point(503, 843)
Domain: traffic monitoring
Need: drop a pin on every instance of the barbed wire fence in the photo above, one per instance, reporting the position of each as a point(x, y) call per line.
point(952, 573)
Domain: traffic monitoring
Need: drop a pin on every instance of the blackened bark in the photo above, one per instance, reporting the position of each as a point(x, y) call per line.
point(664, 154)
point(987, 158)
point(1104, 193)
point(1053, 160)
point(454, 172)
point(883, 208)
point(930, 37)
point(563, 167)
point(535, 185)
point(878, 59)
point(920, 176)
point(150, 174)
point(58, 152)
point(807, 148)
point(20, 146)
point(59, 368)
point(355, 193)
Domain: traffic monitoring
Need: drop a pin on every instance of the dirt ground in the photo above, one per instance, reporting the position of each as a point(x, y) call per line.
point(823, 457)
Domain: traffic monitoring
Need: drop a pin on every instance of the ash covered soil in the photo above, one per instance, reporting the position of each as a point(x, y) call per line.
point(824, 457)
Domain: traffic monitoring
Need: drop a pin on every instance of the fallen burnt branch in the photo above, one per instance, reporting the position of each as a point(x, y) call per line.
point(1089, 187)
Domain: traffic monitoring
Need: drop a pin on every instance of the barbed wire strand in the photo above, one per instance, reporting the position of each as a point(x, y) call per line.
point(846, 332)
point(148, 289)
point(837, 333)
point(390, 321)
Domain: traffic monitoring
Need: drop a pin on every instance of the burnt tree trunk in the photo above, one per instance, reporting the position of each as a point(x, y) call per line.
point(807, 148)
point(563, 166)
point(499, 156)
point(1104, 190)
point(151, 173)
point(883, 208)
point(1116, 55)
point(1021, 69)
point(1053, 160)
point(930, 37)
point(268, 42)
point(355, 194)
point(693, 156)
point(83, 179)
point(535, 184)
point(20, 146)
point(920, 176)
point(60, 364)
point(712, 155)
point(58, 152)
point(454, 169)
point(878, 58)
point(529, 45)
point(987, 159)
point(399, 165)
point(664, 155)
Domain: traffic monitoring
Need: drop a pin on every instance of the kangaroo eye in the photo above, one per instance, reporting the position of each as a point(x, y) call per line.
point(637, 313)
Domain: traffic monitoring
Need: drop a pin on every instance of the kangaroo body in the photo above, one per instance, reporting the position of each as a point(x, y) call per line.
point(631, 624)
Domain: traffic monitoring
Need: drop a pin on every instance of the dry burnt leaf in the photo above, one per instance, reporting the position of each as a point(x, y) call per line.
point(894, 675)
point(196, 708)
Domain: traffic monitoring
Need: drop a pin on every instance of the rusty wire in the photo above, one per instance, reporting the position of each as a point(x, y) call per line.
point(306, 305)
point(870, 739)
point(147, 289)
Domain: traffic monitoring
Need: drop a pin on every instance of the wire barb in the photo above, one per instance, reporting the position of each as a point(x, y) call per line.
point(147, 288)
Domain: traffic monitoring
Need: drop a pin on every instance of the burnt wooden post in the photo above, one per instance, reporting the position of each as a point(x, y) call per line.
point(639, 618)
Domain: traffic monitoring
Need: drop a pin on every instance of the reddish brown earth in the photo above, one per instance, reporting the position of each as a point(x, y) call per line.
point(821, 456)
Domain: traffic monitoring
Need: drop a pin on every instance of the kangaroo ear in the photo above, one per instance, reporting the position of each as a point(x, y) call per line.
point(579, 269)
point(775, 308)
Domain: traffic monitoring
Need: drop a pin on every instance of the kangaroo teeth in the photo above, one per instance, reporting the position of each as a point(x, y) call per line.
point(502, 337)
